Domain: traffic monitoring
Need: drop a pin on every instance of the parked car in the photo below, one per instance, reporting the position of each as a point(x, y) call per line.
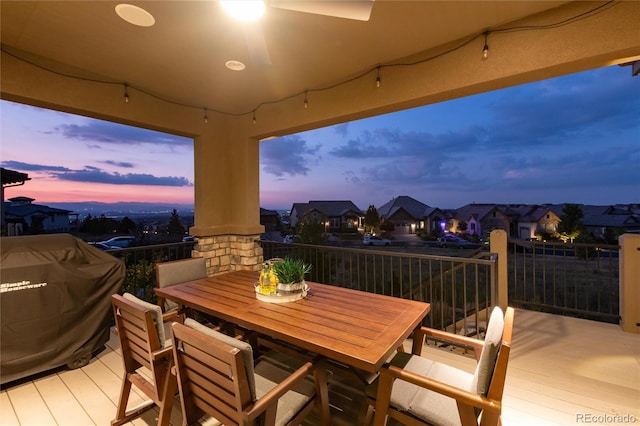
point(375, 240)
point(453, 241)
point(101, 246)
point(291, 239)
point(120, 242)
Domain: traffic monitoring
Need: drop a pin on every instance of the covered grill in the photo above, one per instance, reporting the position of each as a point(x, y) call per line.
point(55, 302)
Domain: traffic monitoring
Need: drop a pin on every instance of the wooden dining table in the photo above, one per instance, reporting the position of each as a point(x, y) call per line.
point(356, 328)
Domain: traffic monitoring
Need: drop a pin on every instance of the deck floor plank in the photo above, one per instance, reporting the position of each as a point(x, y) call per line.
point(99, 406)
point(62, 403)
point(7, 414)
point(29, 407)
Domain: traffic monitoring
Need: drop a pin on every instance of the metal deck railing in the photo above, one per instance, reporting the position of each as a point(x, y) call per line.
point(457, 288)
point(575, 279)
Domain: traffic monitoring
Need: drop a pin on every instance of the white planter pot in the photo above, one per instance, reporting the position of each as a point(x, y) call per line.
point(292, 288)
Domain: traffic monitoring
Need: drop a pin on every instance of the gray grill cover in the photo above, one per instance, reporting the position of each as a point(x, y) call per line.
point(55, 302)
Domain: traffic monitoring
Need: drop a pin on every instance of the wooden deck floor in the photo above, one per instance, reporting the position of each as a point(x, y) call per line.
point(563, 371)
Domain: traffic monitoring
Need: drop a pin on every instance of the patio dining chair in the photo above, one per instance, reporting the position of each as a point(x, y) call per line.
point(145, 352)
point(175, 272)
point(416, 391)
point(217, 377)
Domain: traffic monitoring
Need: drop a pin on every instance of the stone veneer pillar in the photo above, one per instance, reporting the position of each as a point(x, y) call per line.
point(227, 253)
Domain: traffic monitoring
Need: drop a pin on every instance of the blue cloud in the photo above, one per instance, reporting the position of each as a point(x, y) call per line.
point(289, 155)
point(30, 167)
point(123, 164)
point(96, 175)
point(107, 132)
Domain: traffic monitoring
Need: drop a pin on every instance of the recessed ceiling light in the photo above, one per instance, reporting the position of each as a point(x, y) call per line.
point(244, 10)
point(235, 65)
point(135, 15)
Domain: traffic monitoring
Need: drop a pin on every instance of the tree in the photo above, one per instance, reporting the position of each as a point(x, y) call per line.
point(371, 220)
point(311, 231)
point(570, 225)
point(175, 227)
point(126, 226)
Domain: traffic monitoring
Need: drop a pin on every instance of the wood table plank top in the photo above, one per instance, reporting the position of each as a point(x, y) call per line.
point(353, 327)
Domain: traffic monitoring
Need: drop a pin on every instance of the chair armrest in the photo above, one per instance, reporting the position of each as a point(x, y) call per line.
point(163, 353)
point(460, 395)
point(270, 399)
point(171, 315)
point(421, 333)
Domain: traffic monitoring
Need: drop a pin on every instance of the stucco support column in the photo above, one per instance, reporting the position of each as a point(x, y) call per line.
point(630, 282)
point(499, 246)
point(227, 198)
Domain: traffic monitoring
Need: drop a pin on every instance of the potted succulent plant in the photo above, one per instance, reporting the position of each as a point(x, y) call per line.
point(291, 273)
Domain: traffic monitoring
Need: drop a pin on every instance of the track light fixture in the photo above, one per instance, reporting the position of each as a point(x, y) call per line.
point(126, 95)
point(206, 118)
point(485, 49)
point(306, 102)
point(378, 82)
point(254, 116)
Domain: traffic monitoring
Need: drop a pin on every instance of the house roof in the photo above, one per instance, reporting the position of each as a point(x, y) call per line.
point(526, 212)
point(265, 212)
point(327, 208)
point(413, 207)
point(12, 177)
point(25, 210)
point(612, 220)
point(475, 211)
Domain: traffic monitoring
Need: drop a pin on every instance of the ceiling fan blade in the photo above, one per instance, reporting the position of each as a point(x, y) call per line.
point(350, 9)
point(256, 44)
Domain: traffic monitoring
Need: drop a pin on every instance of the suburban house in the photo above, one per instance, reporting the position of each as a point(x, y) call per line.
point(611, 220)
point(337, 216)
point(9, 178)
point(479, 219)
point(529, 220)
point(600, 225)
point(270, 219)
point(408, 215)
point(607, 221)
point(22, 216)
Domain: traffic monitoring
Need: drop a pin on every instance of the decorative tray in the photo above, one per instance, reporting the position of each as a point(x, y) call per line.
point(281, 296)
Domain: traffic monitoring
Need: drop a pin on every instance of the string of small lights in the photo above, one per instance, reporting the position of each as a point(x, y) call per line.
point(376, 69)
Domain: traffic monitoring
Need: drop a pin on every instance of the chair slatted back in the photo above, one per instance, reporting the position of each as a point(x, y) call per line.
point(138, 340)
point(212, 377)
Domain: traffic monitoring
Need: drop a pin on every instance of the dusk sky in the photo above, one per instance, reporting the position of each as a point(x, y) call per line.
point(571, 139)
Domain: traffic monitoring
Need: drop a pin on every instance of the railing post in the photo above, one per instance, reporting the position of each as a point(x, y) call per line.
point(630, 282)
point(499, 245)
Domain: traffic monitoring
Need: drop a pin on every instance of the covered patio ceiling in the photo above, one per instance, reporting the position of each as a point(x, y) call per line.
point(182, 56)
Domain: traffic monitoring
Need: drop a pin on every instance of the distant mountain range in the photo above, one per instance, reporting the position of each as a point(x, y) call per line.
point(96, 208)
